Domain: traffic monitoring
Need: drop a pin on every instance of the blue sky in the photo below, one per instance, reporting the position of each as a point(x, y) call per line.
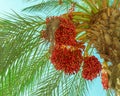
point(17, 5)
point(8, 5)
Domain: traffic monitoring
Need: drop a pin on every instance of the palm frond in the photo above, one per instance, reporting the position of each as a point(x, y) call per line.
point(42, 6)
point(20, 46)
point(57, 83)
point(91, 5)
point(51, 6)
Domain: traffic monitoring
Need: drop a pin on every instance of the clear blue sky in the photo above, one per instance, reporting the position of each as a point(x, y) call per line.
point(7, 5)
point(17, 5)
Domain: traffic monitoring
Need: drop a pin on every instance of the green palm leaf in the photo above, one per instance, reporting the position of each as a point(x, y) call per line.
point(51, 6)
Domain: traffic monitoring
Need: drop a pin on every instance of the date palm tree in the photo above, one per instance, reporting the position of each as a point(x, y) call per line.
point(56, 47)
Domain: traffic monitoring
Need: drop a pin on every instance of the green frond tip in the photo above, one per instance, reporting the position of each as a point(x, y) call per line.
point(43, 6)
point(92, 5)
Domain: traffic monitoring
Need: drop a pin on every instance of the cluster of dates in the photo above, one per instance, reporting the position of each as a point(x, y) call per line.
point(66, 51)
